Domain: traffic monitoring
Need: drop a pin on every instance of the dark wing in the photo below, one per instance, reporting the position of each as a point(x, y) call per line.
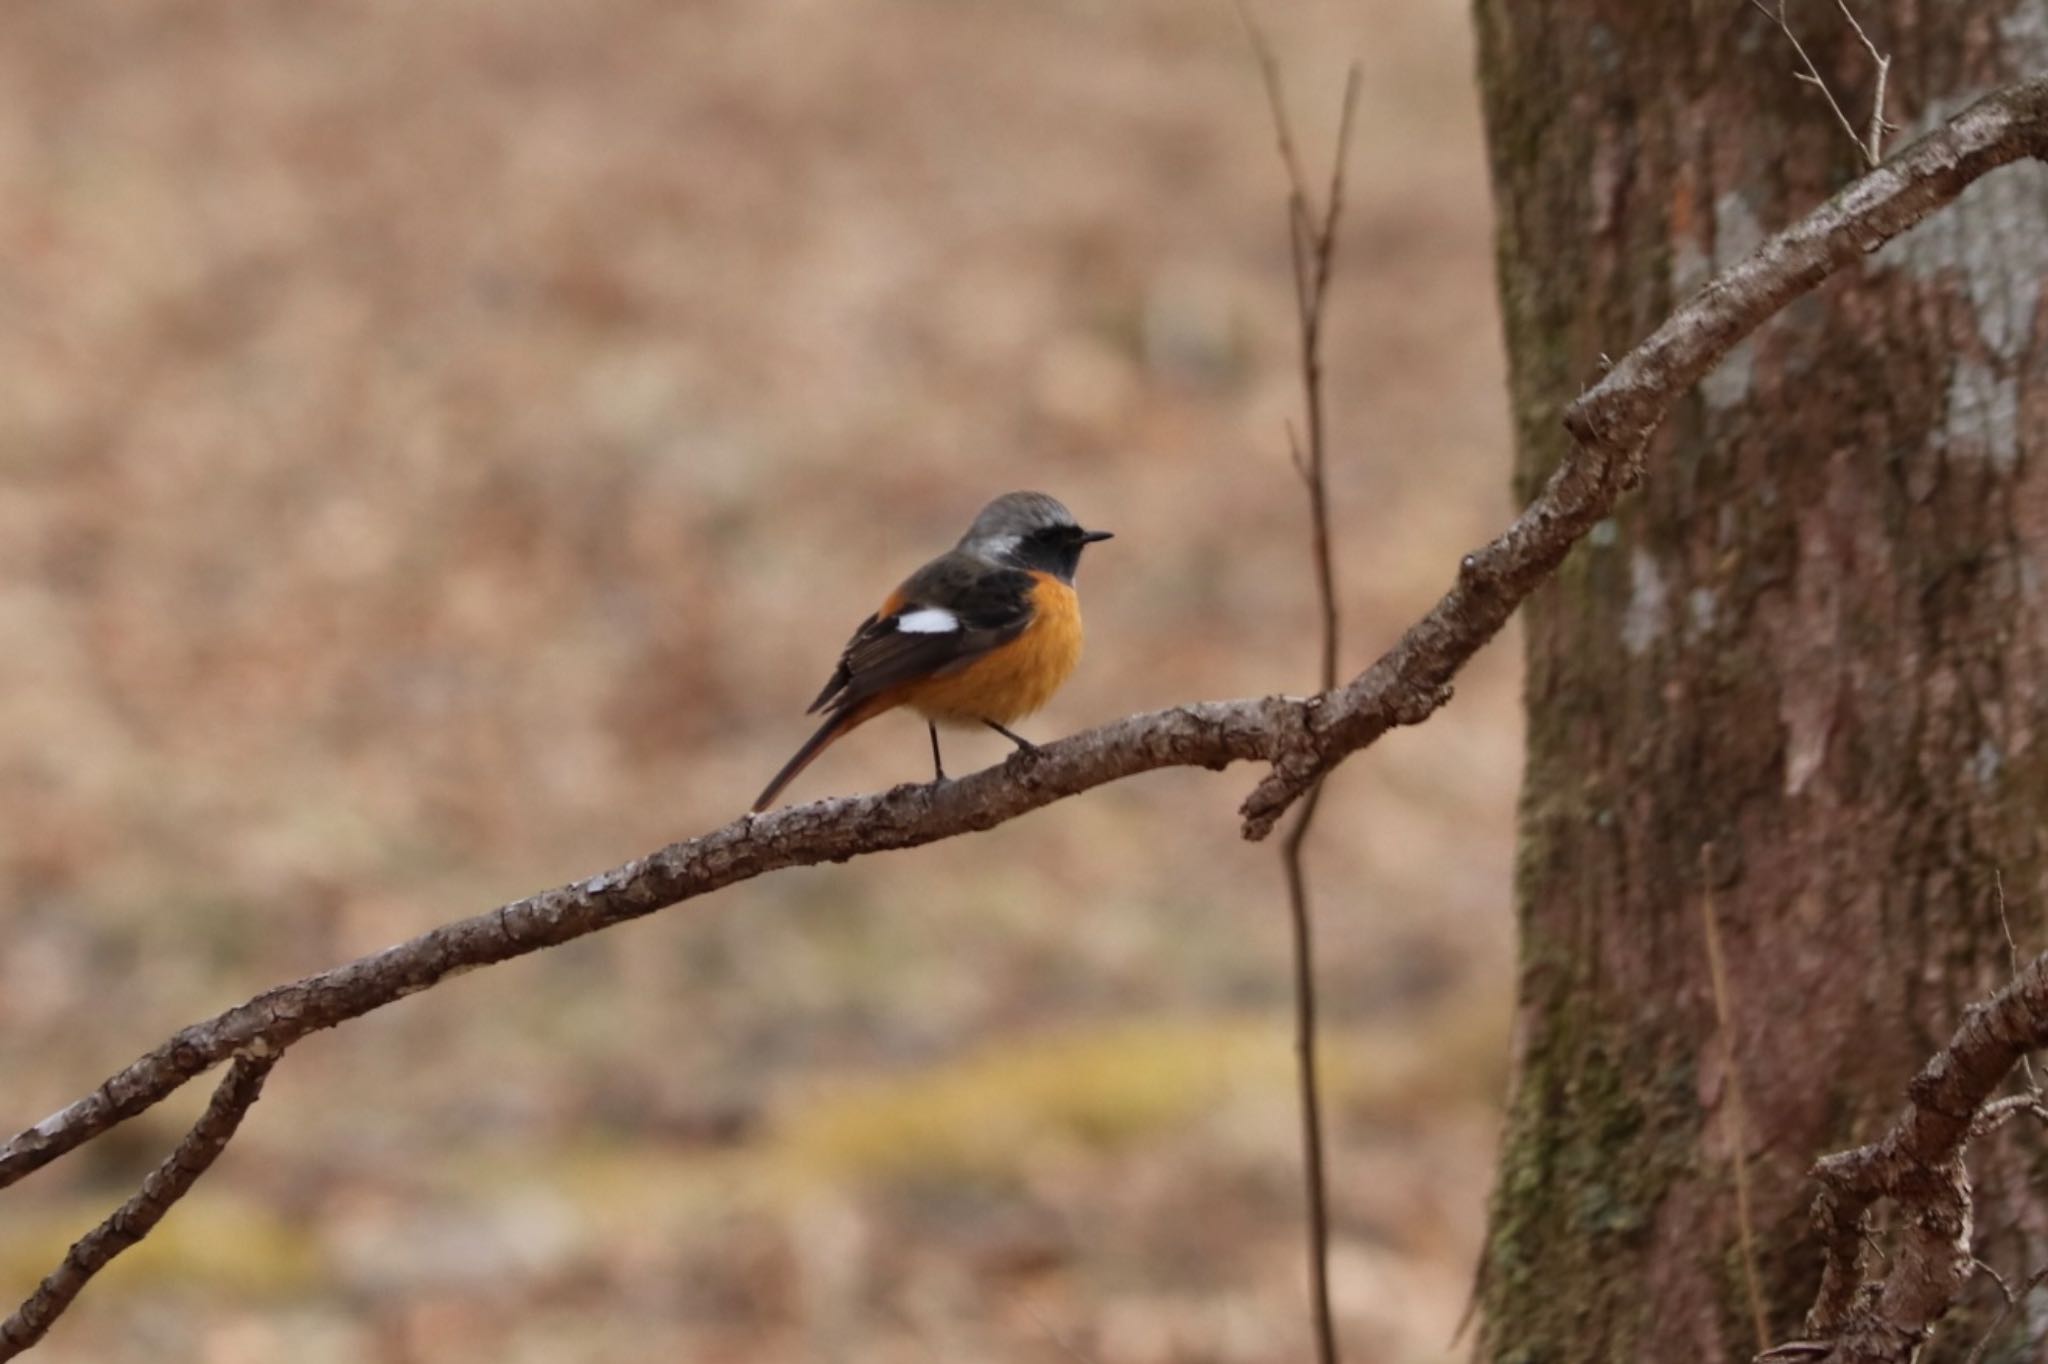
point(947, 614)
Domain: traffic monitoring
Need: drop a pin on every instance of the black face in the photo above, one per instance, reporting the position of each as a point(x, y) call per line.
point(1057, 549)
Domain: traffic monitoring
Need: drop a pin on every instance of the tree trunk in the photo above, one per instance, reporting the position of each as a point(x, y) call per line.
point(1793, 691)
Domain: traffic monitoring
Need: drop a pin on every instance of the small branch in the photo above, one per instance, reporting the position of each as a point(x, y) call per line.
point(1871, 148)
point(133, 1220)
point(1308, 1082)
point(1873, 151)
point(2012, 1299)
point(1918, 1165)
point(1983, 1267)
point(1312, 244)
point(2012, 960)
point(1999, 1112)
point(1269, 76)
point(1738, 1120)
point(1812, 76)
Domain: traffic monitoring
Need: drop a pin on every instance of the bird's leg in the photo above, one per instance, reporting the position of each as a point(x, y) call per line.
point(938, 768)
point(1024, 745)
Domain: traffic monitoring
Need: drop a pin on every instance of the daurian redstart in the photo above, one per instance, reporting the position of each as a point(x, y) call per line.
point(983, 634)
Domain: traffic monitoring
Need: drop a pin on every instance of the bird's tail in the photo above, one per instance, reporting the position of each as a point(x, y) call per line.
point(834, 726)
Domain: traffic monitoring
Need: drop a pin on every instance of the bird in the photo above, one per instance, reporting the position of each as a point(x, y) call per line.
point(982, 635)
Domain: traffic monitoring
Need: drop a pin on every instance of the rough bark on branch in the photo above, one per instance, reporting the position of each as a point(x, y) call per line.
point(1918, 1164)
point(135, 1219)
point(1301, 738)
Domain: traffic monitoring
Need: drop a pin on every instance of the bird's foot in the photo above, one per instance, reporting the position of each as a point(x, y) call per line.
point(1024, 745)
point(1025, 755)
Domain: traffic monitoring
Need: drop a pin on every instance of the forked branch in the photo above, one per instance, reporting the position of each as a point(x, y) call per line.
point(1869, 144)
point(1300, 738)
point(136, 1218)
point(1866, 1317)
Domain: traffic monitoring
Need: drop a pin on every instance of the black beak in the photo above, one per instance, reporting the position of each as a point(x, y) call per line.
point(1089, 537)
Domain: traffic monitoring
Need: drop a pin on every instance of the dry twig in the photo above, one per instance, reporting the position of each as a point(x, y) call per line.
point(133, 1220)
point(1738, 1119)
point(2012, 962)
point(1869, 145)
point(2012, 1299)
point(1999, 1112)
point(1312, 242)
point(1873, 146)
point(1300, 738)
point(1918, 1165)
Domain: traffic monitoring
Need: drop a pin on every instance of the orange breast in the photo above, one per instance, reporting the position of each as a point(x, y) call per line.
point(1019, 677)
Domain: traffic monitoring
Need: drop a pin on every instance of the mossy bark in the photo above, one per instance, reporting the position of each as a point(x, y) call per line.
point(1797, 684)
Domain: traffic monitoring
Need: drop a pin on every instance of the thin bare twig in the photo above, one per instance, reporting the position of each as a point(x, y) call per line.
point(1312, 247)
point(1874, 150)
point(2012, 960)
point(1298, 216)
point(1983, 1267)
point(1299, 738)
point(133, 1220)
point(1324, 252)
point(1870, 146)
point(1918, 1165)
point(1999, 1112)
point(1737, 1117)
point(2012, 1299)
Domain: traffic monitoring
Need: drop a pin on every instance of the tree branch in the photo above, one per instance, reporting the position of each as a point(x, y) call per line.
point(133, 1220)
point(2012, 1299)
point(1301, 738)
point(1918, 1164)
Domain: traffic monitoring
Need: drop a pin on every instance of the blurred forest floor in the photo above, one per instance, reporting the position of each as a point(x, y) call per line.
point(442, 449)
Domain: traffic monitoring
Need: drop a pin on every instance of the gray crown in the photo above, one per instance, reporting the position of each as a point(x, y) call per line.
point(1016, 515)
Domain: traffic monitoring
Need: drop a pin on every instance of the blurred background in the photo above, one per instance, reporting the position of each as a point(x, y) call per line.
point(442, 449)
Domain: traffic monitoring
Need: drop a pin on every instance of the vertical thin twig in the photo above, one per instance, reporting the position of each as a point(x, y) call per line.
point(133, 1220)
point(1871, 145)
point(1312, 242)
point(1878, 126)
point(1737, 1116)
point(2012, 958)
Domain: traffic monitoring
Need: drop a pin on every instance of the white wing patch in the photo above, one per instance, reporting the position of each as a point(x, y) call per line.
point(928, 620)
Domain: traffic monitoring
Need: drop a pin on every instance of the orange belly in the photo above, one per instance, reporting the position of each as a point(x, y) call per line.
point(1019, 677)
